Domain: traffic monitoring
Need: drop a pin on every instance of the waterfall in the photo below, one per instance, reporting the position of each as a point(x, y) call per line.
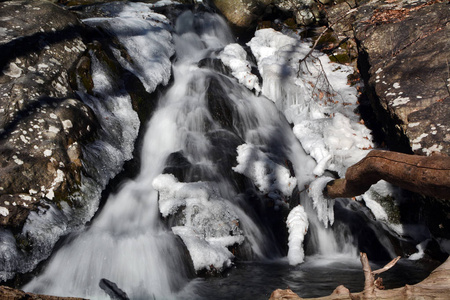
point(218, 163)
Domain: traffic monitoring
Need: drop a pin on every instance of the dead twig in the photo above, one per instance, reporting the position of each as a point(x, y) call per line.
point(329, 26)
point(387, 266)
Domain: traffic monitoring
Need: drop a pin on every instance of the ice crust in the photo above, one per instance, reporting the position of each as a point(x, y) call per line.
point(267, 175)
point(235, 57)
point(207, 225)
point(147, 37)
point(315, 97)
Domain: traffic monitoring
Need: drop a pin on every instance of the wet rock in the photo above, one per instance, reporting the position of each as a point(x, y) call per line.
point(242, 14)
point(245, 15)
point(219, 105)
point(214, 64)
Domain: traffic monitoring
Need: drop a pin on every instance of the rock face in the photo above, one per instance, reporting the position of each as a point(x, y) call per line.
point(244, 15)
point(42, 127)
point(403, 58)
point(62, 137)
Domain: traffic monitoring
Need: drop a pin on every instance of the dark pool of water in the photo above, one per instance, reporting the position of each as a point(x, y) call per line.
point(315, 278)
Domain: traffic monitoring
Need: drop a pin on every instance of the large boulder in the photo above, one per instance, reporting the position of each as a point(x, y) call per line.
point(403, 58)
point(42, 126)
point(63, 135)
point(244, 15)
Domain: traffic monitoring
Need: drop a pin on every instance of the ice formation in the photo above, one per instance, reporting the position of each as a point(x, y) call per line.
point(235, 57)
point(148, 41)
point(297, 223)
point(208, 224)
point(267, 175)
point(322, 205)
point(315, 97)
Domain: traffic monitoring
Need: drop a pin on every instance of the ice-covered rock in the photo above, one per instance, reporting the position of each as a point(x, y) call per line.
point(206, 223)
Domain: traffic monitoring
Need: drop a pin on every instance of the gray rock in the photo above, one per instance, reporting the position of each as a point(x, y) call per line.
point(42, 126)
point(404, 50)
point(61, 141)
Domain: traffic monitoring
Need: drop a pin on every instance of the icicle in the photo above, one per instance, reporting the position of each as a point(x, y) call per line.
point(323, 206)
point(297, 223)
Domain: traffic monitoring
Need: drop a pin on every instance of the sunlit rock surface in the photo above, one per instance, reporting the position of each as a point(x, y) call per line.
point(67, 118)
point(404, 54)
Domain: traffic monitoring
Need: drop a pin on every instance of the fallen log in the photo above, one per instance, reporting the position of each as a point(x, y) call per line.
point(435, 286)
point(426, 175)
point(7, 293)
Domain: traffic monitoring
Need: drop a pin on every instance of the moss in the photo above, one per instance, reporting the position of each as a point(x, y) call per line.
point(391, 208)
point(23, 243)
point(290, 23)
point(341, 58)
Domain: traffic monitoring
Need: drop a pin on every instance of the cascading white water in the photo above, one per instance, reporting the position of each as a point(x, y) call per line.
point(126, 243)
point(129, 244)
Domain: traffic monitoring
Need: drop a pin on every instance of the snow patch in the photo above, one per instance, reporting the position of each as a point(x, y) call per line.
point(47, 153)
point(267, 175)
point(235, 57)
point(414, 124)
point(53, 129)
point(4, 211)
point(13, 71)
point(400, 101)
point(17, 160)
point(67, 124)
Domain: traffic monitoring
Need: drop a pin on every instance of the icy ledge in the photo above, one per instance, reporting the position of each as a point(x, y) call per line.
point(207, 223)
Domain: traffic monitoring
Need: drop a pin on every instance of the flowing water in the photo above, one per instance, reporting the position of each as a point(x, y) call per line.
point(129, 244)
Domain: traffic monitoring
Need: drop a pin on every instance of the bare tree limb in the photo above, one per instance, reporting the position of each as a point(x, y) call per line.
point(426, 175)
point(387, 266)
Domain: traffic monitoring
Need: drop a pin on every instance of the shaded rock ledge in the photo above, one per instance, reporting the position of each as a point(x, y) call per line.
point(55, 126)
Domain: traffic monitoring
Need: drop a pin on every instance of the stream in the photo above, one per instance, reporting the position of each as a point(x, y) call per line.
point(191, 209)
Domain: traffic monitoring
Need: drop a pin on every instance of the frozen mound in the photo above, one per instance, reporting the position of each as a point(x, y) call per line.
point(207, 223)
point(235, 57)
point(270, 178)
point(147, 38)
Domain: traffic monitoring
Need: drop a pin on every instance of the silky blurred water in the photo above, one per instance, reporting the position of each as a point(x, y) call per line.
point(317, 277)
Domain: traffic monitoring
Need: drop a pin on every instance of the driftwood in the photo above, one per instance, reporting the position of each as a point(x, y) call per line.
point(7, 293)
point(426, 175)
point(435, 286)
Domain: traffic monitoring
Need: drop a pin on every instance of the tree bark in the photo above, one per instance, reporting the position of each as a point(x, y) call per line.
point(7, 293)
point(426, 175)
